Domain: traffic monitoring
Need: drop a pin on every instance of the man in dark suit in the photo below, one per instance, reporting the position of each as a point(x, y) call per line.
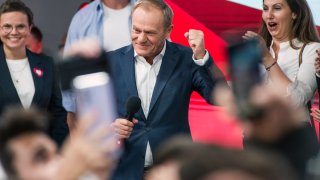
point(163, 75)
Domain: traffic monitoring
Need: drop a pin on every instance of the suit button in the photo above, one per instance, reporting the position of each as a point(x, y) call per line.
point(148, 129)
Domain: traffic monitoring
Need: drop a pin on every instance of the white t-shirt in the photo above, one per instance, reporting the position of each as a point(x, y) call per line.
point(22, 79)
point(116, 27)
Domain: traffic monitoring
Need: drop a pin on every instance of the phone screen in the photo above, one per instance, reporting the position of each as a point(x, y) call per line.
point(245, 70)
point(94, 94)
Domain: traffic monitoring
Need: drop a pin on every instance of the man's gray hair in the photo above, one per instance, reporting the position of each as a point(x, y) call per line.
point(160, 4)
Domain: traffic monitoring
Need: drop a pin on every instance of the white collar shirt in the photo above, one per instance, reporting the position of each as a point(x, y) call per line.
point(146, 77)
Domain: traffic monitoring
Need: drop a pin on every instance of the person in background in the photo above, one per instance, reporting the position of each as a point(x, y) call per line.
point(34, 41)
point(277, 127)
point(27, 79)
point(170, 156)
point(181, 159)
point(315, 112)
point(26, 151)
point(227, 164)
point(106, 20)
point(289, 40)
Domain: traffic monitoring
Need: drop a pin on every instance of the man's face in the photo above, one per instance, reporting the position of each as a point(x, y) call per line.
point(148, 32)
point(35, 156)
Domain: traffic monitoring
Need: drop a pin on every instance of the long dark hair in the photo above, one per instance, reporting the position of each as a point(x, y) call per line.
point(303, 28)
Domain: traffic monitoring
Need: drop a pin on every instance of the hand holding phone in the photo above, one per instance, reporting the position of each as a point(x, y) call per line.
point(94, 94)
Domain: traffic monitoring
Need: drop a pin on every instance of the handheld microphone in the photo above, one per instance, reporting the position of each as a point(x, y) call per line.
point(133, 105)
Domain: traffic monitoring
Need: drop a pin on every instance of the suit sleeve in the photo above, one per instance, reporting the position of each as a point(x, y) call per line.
point(58, 127)
point(205, 78)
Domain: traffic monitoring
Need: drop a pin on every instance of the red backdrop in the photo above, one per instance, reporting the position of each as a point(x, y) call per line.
point(219, 19)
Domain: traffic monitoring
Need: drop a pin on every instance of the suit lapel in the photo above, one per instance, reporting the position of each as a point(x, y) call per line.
point(169, 61)
point(6, 80)
point(38, 74)
point(128, 68)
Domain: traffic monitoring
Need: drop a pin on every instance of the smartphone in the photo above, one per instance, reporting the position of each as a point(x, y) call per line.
point(76, 66)
point(245, 69)
point(94, 94)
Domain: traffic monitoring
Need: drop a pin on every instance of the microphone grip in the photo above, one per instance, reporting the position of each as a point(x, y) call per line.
point(129, 116)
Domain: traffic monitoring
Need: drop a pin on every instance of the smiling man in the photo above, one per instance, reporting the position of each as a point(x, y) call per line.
point(163, 75)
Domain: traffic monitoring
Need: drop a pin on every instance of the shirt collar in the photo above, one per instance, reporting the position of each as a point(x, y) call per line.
point(99, 5)
point(286, 44)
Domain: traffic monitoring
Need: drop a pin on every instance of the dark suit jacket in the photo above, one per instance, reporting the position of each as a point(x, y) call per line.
point(47, 92)
point(178, 77)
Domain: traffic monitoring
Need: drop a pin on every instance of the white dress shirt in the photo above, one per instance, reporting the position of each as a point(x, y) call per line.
point(146, 77)
point(304, 80)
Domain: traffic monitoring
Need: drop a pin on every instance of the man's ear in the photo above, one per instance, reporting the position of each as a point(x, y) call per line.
point(168, 33)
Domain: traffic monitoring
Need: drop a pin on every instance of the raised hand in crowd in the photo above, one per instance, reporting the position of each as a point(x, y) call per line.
point(91, 149)
point(196, 42)
point(315, 112)
point(252, 35)
point(317, 63)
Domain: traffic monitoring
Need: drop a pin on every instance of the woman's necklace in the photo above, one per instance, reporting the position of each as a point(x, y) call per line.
point(17, 74)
